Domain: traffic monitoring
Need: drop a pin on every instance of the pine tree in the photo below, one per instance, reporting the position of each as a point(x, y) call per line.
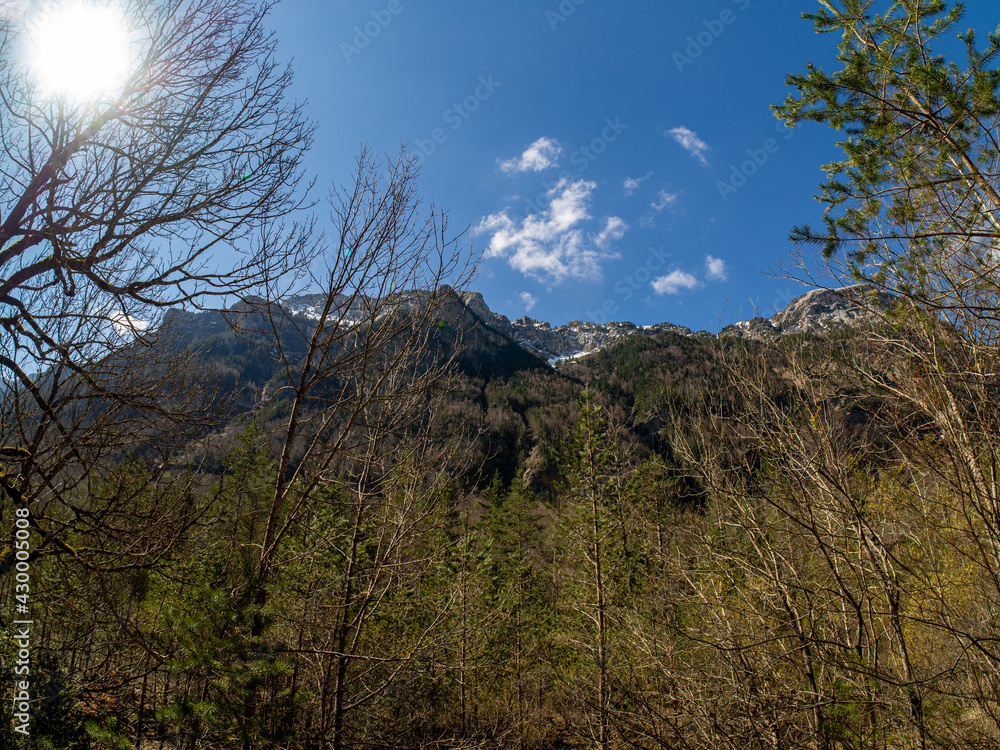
point(913, 206)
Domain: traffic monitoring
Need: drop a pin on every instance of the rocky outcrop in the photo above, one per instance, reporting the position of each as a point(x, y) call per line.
point(574, 339)
point(477, 305)
point(757, 329)
point(826, 309)
point(816, 311)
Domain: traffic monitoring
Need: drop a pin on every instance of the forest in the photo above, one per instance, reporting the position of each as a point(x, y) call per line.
point(380, 523)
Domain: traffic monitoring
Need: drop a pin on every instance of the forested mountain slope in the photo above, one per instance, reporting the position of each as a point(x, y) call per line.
point(649, 376)
point(377, 516)
point(514, 552)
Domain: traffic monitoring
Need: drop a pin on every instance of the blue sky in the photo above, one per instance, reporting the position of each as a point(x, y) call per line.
point(611, 160)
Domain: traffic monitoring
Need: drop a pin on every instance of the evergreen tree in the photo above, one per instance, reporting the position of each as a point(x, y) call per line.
point(914, 205)
point(521, 571)
point(597, 536)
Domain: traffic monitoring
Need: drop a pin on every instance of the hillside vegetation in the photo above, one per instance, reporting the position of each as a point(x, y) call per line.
point(372, 519)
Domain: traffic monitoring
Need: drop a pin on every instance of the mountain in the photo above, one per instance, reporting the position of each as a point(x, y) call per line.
point(818, 310)
point(642, 365)
point(557, 344)
point(826, 309)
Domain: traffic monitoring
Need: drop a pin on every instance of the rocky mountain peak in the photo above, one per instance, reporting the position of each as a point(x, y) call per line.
point(820, 309)
point(830, 308)
point(477, 305)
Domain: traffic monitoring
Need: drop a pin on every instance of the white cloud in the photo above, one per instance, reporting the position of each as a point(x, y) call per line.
point(674, 282)
point(614, 230)
point(552, 246)
point(716, 268)
point(663, 199)
point(632, 183)
point(529, 300)
point(691, 143)
point(540, 155)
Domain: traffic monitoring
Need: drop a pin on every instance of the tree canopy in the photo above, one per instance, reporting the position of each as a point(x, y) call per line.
point(913, 205)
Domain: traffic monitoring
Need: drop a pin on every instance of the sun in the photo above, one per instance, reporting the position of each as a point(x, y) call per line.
point(79, 50)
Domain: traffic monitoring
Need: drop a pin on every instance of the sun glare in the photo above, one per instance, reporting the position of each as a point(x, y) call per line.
point(80, 51)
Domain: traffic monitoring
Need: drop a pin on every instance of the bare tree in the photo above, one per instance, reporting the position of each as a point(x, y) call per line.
point(173, 188)
point(381, 333)
point(180, 186)
point(847, 563)
point(361, 372)
point(113, 210)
